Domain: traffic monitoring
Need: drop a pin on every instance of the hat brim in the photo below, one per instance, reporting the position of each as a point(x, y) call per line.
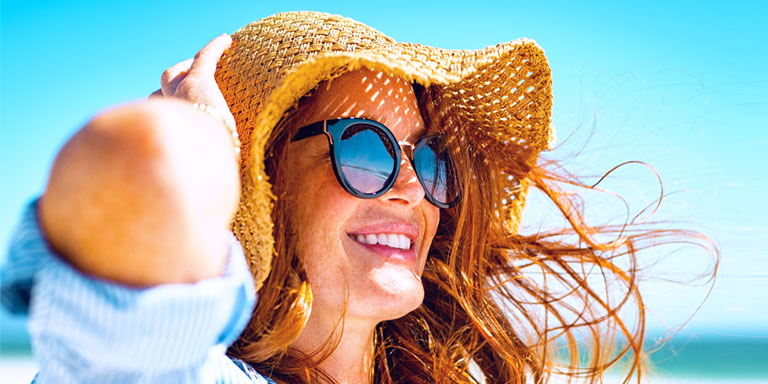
point(502, 93)
point(503, 90)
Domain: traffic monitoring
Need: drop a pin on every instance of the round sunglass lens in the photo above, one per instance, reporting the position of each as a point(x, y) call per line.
point(367, 158)
point(435, 169)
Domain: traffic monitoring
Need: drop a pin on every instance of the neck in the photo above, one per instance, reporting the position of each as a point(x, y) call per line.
point(351, 360)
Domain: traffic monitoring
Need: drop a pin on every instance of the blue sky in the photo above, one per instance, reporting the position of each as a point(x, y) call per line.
point(679, 85)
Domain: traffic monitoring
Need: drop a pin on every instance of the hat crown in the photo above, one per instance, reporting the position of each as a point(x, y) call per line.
point(266, 50)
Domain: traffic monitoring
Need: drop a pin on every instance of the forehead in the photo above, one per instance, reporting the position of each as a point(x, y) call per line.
point(367, 93)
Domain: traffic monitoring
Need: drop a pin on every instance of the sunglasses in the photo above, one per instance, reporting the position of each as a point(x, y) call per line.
point(366, 159)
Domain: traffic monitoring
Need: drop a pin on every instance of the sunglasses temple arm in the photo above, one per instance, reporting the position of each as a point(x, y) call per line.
point(309, 131)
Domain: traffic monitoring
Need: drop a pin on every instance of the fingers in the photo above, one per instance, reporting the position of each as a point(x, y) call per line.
point(205, 60)
point(193, 79)
point(172, 76)
point(156, 95)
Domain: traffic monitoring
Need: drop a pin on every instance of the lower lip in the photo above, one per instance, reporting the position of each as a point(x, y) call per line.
point(408, 255)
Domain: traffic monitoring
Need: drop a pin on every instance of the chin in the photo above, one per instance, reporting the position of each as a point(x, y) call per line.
point(393, 293)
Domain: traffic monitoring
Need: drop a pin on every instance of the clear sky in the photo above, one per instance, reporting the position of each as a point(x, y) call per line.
point(680, 85)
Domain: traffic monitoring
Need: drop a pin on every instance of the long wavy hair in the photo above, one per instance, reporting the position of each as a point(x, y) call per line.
point(499, 306)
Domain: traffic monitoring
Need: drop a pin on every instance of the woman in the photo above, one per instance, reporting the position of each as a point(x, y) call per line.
point(381, 187)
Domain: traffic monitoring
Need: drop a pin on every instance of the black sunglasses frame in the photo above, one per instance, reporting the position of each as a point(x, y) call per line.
point(333, 129)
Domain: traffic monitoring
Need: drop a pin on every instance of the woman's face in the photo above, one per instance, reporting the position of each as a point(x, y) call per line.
point(381, 282)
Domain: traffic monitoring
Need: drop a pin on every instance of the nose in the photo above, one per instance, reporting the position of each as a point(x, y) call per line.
point(407, 189)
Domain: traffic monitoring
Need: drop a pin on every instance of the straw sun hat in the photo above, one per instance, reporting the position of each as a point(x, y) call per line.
point(500, 95)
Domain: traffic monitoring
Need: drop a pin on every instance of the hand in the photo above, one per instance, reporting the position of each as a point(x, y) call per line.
point(193, 79)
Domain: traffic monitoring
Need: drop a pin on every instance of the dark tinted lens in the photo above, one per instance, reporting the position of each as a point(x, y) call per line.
point(435, 169)
point(366, 157)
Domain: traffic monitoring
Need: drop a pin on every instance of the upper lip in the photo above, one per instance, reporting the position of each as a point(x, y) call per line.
point(406, 229)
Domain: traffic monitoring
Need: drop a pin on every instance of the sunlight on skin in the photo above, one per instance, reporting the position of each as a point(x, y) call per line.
point(377, 86)
point(341, 271)
point(400, 112)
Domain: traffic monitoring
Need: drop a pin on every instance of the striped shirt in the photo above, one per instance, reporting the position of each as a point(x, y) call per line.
point(88, 330)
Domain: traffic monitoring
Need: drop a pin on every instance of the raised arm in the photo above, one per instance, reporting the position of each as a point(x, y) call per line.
point(144, 193)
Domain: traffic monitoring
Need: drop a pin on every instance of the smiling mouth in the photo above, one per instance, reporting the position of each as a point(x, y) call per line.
point(391, 240)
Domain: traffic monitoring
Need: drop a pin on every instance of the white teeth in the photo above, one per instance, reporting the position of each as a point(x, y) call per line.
point(405, 242)
point(389, 239)
point(393, 241)
point(400, 241)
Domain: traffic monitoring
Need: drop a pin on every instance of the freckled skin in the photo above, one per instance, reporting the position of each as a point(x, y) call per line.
point(324, 213)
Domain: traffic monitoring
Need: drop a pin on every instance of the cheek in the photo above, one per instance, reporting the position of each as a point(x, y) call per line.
point(321, 216)
point(320, 210)
point(432, 219)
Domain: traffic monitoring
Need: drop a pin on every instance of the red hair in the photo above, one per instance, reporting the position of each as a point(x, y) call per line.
point(498, 304)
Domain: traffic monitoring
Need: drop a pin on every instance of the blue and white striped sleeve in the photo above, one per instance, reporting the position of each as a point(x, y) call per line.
point(85, 329)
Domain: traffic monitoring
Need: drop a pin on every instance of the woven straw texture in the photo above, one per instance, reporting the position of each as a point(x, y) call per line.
point(502, 93)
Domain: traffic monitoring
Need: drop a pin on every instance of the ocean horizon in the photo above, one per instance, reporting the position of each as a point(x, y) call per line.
point(681, 360)
point(16, 369)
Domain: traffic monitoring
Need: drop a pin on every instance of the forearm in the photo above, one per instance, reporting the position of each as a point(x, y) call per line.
point(143, 195)
point(88, 330)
